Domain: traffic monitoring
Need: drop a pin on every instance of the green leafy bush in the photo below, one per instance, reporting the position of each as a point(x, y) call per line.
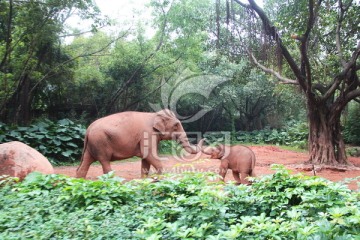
point(295, 134)
point(353, 151)
point(190, 206)
point(60, 141)
point(169, 147)
point(352, 125)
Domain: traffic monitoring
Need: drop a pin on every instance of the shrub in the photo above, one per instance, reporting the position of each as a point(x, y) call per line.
point(295, 134)
point(190, 206)
point(60, 141)
point(353, 151)
point(169, 147)
point(352, 125)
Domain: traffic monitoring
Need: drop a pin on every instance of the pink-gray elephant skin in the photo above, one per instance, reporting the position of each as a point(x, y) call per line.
point(127, 134)
point(240, 159)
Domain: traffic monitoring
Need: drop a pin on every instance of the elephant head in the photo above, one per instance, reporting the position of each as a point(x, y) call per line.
point(170, 128)
point(216, 152)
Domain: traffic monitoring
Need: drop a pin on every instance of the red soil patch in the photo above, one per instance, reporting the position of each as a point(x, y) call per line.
point(265, 156)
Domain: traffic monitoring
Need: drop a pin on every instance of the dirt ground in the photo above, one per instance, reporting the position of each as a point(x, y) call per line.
point(265, 156)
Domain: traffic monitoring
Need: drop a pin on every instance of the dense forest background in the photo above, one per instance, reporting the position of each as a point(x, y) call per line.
point(96, 74)
point(50, 70)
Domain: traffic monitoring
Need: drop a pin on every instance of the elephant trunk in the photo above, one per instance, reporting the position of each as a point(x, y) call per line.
point(216, 152)
point(192, 149)
point(207, 149)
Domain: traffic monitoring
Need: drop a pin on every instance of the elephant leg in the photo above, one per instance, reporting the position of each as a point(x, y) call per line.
point(149, 156)
point(224, 166)
point(155, 163)
point(236, 177)
point(244, 178)
point(145, 168)
point(106, 166)
point(222, 172)
point(82, 170)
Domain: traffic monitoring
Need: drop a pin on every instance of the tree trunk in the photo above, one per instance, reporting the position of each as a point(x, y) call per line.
point(326, 144)
point(17, 108)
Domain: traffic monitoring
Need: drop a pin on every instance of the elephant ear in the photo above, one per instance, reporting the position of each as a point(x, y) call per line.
point(161, 119)
point(159, 124)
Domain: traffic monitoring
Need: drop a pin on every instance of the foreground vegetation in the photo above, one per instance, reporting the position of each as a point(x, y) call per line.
point(278, 206)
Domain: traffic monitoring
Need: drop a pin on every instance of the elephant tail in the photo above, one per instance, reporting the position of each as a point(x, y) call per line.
point(84, 149)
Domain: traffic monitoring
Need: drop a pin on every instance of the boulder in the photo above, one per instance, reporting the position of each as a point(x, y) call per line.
point(18, 160)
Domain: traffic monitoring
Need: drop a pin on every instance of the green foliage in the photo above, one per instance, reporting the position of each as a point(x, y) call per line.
point(290, 16)
point(191, 206)
point(60, 141)
point(353, 151)
point(352, 125)
point(295, 134)
point(32, 60)
point(5, 180)
point(169, 147)
point(249, 98)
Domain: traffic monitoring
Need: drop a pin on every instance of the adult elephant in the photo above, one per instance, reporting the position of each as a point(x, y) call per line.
point(127, 134)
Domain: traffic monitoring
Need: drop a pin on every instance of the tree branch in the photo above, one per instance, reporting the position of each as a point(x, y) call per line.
point(271, 31)
point(272, 72)
point(341, 76)
point(131, 78)
point(8, 38)
point(148, 94)
point(337, 33)
point(49, 73)
point(352, 95)
point(304, 45)
point(304, 39)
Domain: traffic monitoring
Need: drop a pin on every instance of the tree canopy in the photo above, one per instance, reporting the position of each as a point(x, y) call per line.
point(31, 58)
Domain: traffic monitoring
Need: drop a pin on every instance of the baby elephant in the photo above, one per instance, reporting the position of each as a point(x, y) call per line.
point(240, 159)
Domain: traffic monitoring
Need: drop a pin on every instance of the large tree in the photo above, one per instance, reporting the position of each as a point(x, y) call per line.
point(325, 64)
point(31, 56)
